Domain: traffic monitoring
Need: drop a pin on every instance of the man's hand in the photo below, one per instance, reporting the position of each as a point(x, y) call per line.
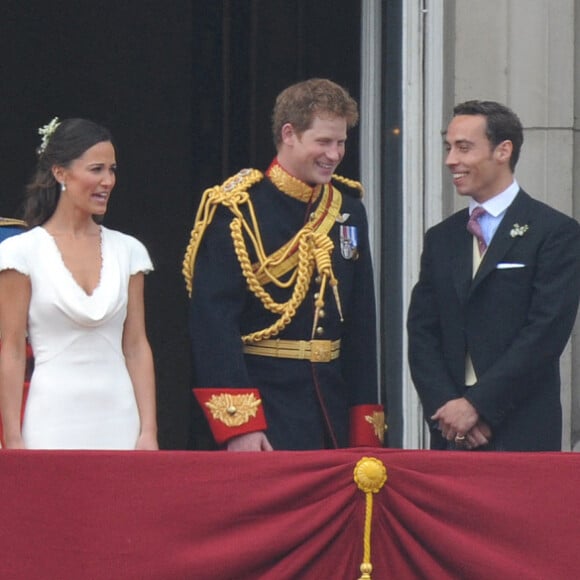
point(456, 418)
point(479, 435)
point(256, 441)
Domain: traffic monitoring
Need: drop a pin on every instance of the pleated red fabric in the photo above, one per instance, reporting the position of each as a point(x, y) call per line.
point(286, 515)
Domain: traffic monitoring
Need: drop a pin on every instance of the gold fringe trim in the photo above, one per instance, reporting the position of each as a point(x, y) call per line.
point(370, 475)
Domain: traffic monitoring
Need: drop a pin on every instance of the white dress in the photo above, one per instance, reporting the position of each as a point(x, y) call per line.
point(81, 395)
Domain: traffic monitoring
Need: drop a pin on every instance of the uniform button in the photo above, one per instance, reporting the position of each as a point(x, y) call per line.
point(319, 331)
point(231, 410)
point(316, 295)
point(321, 313)
point(318, 279)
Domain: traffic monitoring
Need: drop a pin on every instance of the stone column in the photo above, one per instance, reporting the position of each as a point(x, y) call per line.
point(522, 53)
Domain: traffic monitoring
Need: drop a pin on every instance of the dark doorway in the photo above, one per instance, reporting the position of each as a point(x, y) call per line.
point(245, 53)
point(187, 88)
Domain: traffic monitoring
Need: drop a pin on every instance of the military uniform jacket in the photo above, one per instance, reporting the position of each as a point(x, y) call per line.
point(306, 405)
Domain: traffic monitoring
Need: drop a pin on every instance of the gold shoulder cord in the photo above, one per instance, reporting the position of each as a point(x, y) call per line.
point(308, 249)
point(231, 193)
point(350, 183)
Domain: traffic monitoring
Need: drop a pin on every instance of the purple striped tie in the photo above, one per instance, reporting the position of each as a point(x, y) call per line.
point(474, 228)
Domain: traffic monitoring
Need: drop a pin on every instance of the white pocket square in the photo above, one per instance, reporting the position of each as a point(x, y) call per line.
point(509, 265)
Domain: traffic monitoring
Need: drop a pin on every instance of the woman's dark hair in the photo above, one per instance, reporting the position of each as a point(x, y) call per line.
point(69, 141)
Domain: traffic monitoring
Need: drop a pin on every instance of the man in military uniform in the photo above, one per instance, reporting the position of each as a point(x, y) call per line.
point(11, 227)
point(282, 315)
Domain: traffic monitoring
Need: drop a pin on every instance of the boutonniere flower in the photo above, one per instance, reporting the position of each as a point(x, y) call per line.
point(518, 231)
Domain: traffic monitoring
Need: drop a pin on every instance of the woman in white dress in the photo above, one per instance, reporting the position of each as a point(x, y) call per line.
point(76, 287)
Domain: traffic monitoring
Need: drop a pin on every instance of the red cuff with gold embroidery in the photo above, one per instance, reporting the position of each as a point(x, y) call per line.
point(367, 426)
point(231, 412)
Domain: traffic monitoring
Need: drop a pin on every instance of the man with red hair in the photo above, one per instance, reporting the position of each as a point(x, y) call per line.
point(279, 269)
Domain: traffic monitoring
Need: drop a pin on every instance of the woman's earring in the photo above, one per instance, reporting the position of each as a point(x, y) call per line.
point(63, 186)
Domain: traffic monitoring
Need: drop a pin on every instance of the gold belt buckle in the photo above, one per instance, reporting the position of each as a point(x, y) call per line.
point(320, 350)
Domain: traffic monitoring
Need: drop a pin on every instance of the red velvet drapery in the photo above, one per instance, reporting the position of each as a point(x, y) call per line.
point(194, 515)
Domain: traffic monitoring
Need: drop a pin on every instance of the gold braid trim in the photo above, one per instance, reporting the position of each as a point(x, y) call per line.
point(314, 250)
point(302, 277)
point(291, 185)
point(231, 193)
point(286, 258)
point(350, 183)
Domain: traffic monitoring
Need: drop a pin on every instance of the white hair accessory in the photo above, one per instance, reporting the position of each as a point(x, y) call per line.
point(47, 132)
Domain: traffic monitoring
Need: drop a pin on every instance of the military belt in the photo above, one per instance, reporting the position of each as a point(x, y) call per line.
point(313, 350)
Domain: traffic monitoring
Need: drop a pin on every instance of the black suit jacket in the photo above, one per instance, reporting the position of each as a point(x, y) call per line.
point(514, 318)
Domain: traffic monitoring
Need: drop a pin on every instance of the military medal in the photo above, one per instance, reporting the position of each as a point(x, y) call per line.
point(349, 242)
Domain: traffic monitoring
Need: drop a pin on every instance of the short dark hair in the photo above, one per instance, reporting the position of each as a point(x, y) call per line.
point(502, 124)
point(298, 103)
point(69, 141)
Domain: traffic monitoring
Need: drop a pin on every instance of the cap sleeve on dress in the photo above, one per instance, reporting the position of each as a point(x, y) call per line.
point(140, 260)
point(13, 255)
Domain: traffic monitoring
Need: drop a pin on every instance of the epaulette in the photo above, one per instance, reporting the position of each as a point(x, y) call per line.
point(232, 193)
point(12, 222)
point(242, 180)
point(355, 188)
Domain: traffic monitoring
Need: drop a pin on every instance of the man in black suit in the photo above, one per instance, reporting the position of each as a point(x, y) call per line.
point(488, 320)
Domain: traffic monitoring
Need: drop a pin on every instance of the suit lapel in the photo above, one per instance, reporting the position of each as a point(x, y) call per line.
point(517, 212)
point(462, 248)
